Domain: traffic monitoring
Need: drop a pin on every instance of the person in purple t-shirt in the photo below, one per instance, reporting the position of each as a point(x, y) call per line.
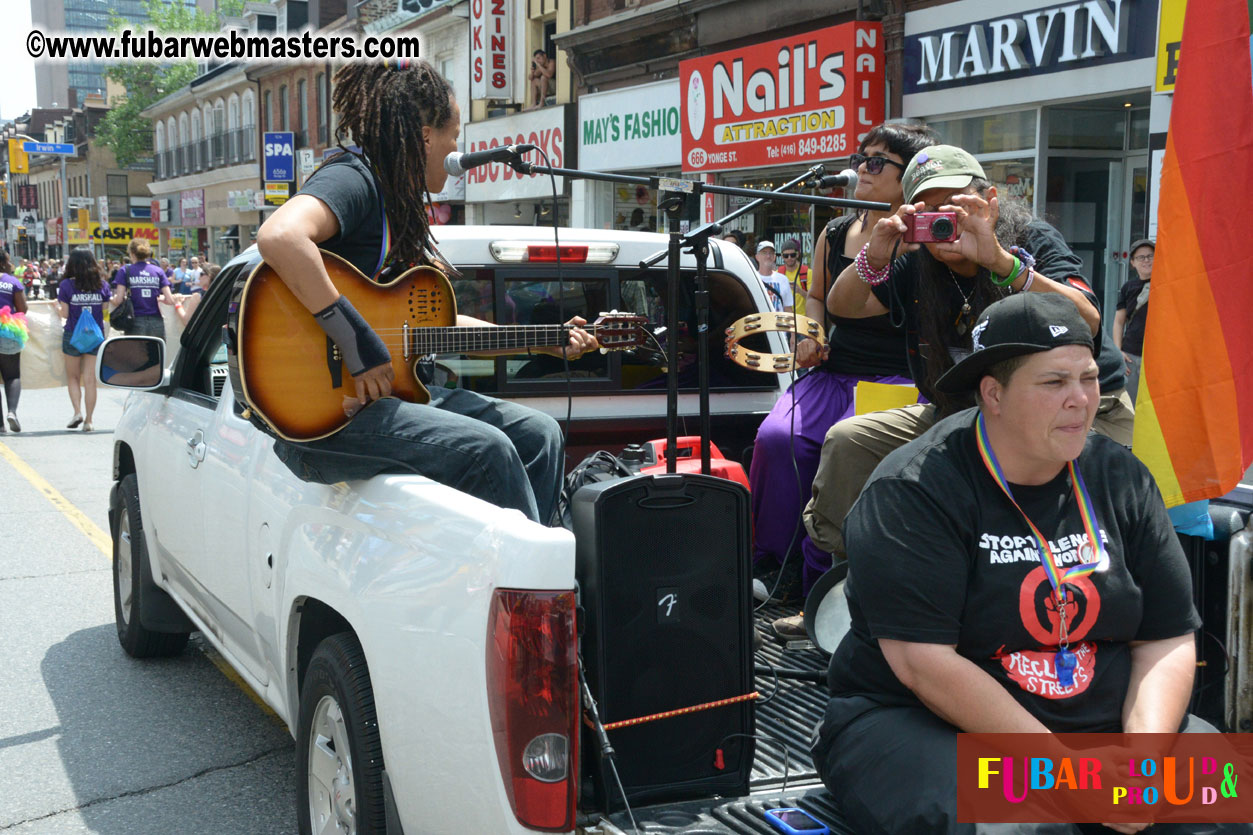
point(83, 292)
point(147, 284)
point(12, 296)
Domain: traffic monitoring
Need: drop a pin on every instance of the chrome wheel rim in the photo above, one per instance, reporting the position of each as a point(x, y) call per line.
point(332, 795)
point(125, 588)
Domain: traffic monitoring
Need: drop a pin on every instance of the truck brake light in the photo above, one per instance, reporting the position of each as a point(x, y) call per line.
point(518, 252)
point(533, 700)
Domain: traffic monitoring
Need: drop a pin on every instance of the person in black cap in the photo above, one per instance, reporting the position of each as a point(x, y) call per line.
point(956, 625)
point(1133, 312)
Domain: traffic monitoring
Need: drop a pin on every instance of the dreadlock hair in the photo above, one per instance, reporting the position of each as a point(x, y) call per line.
point(384, 108)
point(6, 266)
point(935, 327)
point(85, 271)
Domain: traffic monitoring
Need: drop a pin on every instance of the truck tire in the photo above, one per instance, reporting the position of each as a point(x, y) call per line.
point(339, 751)
point(130, 558)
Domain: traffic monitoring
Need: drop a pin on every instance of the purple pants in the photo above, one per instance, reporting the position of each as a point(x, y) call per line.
point(779, 491)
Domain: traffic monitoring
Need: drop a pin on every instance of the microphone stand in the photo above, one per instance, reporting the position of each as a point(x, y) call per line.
point(695, 241)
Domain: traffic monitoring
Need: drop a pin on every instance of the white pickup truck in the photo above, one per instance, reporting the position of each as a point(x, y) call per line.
point(419, 642)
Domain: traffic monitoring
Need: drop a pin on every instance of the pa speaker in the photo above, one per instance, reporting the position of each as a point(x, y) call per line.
point(664, 572)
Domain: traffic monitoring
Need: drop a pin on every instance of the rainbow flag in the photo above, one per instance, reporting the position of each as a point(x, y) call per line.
point(1194, 412)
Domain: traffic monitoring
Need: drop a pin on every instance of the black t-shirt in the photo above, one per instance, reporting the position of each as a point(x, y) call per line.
point(346, 185)
point(869, 347)
point(1137, 315)
point(1053, 258)
point(937, 554)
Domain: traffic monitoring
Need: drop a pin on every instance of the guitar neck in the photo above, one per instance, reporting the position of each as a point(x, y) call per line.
point(455, 340)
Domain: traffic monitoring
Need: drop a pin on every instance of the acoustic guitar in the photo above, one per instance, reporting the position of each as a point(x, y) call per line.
point(290, 375)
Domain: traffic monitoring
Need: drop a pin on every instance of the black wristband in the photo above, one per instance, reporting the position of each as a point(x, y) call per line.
point(360, 345)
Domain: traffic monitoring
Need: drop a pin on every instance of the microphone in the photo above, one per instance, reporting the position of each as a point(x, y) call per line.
point(457, 163)
point(846, 178)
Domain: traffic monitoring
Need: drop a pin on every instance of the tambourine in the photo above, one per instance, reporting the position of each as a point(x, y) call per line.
point(764, 323)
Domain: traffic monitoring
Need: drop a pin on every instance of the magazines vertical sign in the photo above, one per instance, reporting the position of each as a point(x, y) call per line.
point(491, 35)
point(807, 98)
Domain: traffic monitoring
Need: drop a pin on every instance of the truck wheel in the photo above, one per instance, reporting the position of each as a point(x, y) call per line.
point(130, 558)
point(340, 765)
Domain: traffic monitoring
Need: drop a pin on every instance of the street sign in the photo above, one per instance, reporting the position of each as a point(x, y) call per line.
point(79, 202)
point(280, 158)
point(103, 202)
point(61, 148)
point(306, 161)
point(276, 194)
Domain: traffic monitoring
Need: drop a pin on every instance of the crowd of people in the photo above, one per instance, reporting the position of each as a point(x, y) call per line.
point(79, 285)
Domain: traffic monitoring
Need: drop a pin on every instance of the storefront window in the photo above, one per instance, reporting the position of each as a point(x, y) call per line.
point(635, 209)
point(1013, 177)
point(992, 134)
point(775, 220)
point(1087, 129)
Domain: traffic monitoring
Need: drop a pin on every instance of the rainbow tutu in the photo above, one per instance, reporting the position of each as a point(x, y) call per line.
point(13, 331)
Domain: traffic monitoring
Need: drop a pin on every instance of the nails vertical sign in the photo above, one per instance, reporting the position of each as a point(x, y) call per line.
point(807, 98)
point(491, 33)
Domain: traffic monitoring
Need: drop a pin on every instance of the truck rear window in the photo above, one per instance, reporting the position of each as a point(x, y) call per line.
point(531, 296)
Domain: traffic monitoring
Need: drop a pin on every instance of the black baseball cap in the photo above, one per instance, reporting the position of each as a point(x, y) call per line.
point(1024, 323)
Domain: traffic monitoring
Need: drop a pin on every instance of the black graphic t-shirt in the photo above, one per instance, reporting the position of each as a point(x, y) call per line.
point(937, 554)
point(344, 183)
point(1053, 258)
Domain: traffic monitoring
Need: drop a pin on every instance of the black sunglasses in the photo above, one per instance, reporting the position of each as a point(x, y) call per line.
point(874, 165)
point(794, 254)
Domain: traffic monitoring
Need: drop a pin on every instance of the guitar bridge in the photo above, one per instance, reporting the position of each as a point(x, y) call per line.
point(334, 363)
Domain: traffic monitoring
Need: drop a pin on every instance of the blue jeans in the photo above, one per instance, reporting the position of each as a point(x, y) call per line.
point(501, 452)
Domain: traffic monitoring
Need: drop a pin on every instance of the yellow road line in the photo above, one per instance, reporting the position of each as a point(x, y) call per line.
point(77, 518)
point(101, 540)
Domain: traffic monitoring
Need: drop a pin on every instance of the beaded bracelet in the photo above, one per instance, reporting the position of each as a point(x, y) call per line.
point(1028, 260)
point(870, 275)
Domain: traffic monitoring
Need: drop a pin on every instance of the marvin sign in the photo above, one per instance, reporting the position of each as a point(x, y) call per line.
point(1068, 36)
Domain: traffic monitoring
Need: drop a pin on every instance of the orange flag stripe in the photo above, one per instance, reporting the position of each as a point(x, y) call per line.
point(1195, 401)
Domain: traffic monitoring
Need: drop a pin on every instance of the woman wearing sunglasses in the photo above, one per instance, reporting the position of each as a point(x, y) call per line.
point(859, 349)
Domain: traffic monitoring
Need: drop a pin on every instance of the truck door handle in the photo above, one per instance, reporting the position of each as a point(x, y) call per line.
point(196, 448)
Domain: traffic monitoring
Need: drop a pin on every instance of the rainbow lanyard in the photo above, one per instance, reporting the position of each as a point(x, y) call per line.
point(387, 229)
point(382, 211)
point(1057, 577)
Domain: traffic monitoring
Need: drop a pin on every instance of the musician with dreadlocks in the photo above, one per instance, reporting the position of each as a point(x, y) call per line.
point(939, 290)
point(369, 207)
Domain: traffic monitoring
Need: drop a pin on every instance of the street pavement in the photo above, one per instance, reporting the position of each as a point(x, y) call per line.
point(92, 740)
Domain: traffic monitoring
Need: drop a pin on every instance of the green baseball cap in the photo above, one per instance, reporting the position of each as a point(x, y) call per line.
point(939, 166)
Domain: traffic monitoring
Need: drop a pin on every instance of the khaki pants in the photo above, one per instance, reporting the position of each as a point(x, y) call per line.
point(855, 446)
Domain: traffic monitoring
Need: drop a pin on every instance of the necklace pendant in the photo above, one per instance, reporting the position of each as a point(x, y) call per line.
point(966, 309)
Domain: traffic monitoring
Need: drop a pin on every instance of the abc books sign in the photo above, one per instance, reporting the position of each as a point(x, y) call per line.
point(806, 98)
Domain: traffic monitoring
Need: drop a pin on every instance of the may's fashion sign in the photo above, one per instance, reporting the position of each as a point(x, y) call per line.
point(491, 33)
point(806, 98)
